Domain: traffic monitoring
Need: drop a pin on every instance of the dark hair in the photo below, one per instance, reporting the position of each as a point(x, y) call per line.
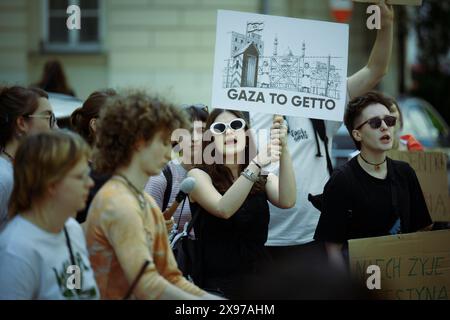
point(16, 101)
point(53, 79)
point(357, 105)
point(41, 160)
point(197, 112)
point(393, 102)
point(221, 175)
point(124, 120)
point(81, 117)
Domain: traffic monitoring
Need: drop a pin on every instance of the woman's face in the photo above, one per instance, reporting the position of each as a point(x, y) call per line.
point(73, 189)
point(155, 154)
point(232, 141)
point(396, 114)
point(39, 121)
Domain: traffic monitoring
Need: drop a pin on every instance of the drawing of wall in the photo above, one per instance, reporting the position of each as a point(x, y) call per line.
point(248, 67)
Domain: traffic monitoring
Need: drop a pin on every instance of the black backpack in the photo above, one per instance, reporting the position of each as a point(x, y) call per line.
point(320, 130)
point(168, 174)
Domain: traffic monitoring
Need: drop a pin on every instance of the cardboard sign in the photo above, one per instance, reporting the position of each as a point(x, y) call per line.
point(431, 170)
point(413, 266)
point(280, 65)
point(397, 2)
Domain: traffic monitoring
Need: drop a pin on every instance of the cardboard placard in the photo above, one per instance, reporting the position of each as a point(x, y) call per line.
point(396, 2)
point(276, 65)
point(431, 170)
point(413, 266)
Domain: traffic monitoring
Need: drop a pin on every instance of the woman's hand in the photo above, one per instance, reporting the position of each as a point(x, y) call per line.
point(278, 141)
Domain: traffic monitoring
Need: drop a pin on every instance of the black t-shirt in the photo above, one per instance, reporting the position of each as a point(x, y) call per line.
point(357, 205)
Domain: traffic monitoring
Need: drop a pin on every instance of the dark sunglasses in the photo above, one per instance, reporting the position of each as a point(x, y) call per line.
point(375, 122)
point(221, 127)
point(51, 118)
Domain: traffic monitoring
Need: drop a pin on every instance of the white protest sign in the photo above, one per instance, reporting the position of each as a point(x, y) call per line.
point(280, 65)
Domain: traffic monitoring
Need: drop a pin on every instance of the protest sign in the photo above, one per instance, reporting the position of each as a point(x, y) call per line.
point(280, 65)
point(413, 266)
point(431, 170)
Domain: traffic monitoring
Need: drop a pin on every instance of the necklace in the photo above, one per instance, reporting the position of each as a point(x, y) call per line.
point(377, 165)
point(139, 195)
point(10, 157)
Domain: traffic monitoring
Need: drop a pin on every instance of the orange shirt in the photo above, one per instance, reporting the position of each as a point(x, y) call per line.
point(121, 237)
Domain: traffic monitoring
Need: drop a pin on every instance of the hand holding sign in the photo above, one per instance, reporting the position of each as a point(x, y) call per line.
point(278, 140)
point(387, 13)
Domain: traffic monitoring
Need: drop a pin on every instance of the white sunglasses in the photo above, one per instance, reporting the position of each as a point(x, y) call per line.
point(221, 127)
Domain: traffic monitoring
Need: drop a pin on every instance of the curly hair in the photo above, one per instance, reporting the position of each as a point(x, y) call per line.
point(127, 119)
point(221, 175)
point(356, 106)
point(81, 117)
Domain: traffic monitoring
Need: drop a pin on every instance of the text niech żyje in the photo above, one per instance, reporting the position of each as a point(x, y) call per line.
point(408, 269)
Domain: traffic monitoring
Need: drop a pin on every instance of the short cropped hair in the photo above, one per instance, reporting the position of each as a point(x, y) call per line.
point(356, 106)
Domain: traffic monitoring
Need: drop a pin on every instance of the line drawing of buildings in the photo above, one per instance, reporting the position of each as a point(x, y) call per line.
point(249, 67)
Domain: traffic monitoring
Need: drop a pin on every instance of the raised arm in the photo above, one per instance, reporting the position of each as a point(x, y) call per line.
point(368, 77)
point(212, 201)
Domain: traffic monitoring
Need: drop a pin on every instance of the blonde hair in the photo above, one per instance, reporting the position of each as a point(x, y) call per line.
point(41, 160)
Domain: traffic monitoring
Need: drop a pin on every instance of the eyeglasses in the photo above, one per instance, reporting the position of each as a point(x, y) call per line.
point(375, 122)
point(221, 127)
point(51, 118)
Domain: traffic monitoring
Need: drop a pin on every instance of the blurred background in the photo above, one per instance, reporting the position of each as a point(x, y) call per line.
point(167, 47)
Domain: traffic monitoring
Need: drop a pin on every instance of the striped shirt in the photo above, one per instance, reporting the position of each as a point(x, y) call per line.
point(156, 186)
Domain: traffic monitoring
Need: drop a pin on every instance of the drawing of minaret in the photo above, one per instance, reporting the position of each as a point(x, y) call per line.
point(275, 46)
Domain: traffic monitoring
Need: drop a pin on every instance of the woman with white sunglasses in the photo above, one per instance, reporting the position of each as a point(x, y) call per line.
point(230, 198)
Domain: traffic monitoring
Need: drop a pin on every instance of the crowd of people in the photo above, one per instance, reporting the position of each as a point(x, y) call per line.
point(94, 202)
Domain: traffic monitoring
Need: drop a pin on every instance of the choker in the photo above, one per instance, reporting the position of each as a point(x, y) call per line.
point(376, 165)
point(139, 194)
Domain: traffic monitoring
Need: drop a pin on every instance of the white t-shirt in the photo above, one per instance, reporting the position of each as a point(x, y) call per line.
point(297, 225)
point(34, 263)
point(6, 186)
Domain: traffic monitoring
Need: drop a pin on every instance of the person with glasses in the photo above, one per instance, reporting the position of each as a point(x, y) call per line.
point(310, 142)
point(22, 112)
point(43, 252)
point(231, 199)
point(371, 195)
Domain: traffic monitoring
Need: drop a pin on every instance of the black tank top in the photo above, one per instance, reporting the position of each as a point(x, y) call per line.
point(234, 246)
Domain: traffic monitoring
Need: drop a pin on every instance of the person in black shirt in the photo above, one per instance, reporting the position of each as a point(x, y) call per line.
point(371, 195)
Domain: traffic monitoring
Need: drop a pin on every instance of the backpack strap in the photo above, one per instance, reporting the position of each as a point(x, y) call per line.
point(320, 129)
point(168, 174)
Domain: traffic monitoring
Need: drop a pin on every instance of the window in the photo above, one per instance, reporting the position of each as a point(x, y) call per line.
point(56, 35)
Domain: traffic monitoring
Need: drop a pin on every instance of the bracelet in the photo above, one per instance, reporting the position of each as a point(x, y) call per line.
point(249, 175)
